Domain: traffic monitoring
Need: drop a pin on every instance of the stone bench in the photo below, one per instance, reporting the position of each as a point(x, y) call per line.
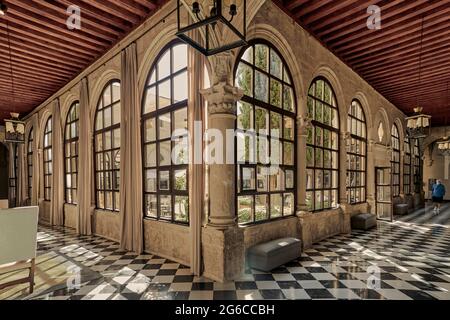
point(270, 255)
point(364, 221)
point(401, 209)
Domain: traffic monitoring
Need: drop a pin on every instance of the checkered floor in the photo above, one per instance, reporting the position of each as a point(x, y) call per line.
point(411, 260)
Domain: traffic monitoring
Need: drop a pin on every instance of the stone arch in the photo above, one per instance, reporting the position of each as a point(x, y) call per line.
point(401, 132)
point(326, 72)
point(97, 90)
point(273, 36)
point(46, 114)
point(65, 105)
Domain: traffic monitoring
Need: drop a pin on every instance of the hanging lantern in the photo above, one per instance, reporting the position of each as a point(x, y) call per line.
point(444, 146)
point(418, 125)
point(14, 129)
point(208, 16)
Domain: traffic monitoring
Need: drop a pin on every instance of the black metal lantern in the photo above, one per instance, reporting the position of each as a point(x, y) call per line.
point(198, 21)
point(418, 125)
point(14, 129)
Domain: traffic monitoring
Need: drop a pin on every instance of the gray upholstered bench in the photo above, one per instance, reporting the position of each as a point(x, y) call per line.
point(364, 221)
point(401, 209)
point(270, 255)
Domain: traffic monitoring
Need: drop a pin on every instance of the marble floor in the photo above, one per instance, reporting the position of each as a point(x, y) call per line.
point(408, 259)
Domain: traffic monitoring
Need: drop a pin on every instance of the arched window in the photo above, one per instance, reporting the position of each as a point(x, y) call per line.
point(164, 136)
point(107, 148)
point(417, 165)
point(13, 178)
point(266, 149)
point(395, 161)
point(71, 154)
point(407, 167)
point(48, 156)
point(356, 154)
point(322, 151)
point(30, 150)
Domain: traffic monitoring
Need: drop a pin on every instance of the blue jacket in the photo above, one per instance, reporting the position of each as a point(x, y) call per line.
point(438, 190)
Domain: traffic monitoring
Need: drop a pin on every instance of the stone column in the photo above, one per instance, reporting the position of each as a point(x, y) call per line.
point(222, 239)
point(343, 200)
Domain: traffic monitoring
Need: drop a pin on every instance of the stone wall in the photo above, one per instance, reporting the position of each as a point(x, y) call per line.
point(167, 240)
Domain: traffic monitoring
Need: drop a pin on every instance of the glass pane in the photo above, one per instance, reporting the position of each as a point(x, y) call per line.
point(164, 65)
point(150, 155)
point(164, 126)
point(261, 86)
point(244, 79)
point(179, 57)
point(150, 130)
point(150, 100)
point(151, 205)
point(288, 204)
point(275, 93)
point(165, 153)
point(248, 178)
point(262, 121)
point(150, 181)
point(180, 152)
point(262, 177)
point(275, 205)
point(116, 91)
point(288, 99)
point(180, 180)
point(180, 87)
point(261, 207)
point(116, 113)
point(245, 209)
point(276, 66)
point(261, 56)
point(244, 116)
point(165, 207)
point(116, 138)
point(107, 96)
point(288, 128)
point(181, 208)
point(164, 94)
point(181, 119)
point(289, 177)
point(164, 180)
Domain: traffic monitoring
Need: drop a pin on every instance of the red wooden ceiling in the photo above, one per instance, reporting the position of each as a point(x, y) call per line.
point(388, 58)
point(46, 54)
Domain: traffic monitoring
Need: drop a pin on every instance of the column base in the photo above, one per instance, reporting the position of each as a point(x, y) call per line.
point(223, 253)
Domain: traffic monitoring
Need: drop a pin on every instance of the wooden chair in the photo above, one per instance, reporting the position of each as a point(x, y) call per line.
point(18, 243)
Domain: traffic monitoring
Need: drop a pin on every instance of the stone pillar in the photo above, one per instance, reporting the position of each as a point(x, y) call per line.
point(222, 239)
point(343, 200)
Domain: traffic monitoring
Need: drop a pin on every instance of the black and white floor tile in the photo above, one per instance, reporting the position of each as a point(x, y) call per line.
point(411, 260)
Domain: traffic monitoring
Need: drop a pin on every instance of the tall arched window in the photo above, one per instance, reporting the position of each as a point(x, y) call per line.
point(266, 149)
point(164, 135)
point(107, 148)
point(356, 154)
point(417, 165)
point(71, 154)
point(395, 161)
point(30, 150)
point(13, 178)
point(322, 151)
point(407, 167)
point(48, 156)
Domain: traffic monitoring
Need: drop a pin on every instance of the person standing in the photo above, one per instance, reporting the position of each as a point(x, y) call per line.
point(438, 196)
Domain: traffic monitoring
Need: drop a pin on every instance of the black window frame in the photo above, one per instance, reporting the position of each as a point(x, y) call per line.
point(395, 160)
point(154, 115)
point(285, 81)
point(312, 133)
point(407, 165)
point(115, 191)
point(359, 157)
point(71, 153)
point(48, 158)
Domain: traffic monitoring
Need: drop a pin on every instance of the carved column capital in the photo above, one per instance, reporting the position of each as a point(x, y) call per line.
point(222, 98)
point(222, 68)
